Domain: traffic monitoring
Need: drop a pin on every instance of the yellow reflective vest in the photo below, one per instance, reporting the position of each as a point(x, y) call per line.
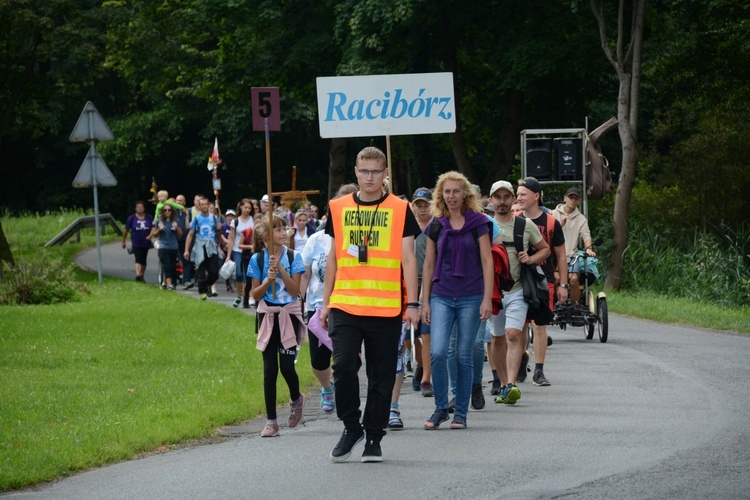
point(372, 288)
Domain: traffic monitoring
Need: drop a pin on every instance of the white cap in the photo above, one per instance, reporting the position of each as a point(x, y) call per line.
point(265, 198)
point(502, 185)
point(230, 212)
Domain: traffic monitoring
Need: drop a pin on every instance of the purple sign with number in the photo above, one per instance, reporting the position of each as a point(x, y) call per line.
point(265, 102)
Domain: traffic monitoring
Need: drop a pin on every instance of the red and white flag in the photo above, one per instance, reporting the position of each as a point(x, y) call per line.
point(214, 160)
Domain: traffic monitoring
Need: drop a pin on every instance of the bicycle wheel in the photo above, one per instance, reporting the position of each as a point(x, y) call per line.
point(603, 319)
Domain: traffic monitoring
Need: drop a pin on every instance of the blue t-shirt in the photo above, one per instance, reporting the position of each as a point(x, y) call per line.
point(167, 239)
point(282, 295)
point(204, 226)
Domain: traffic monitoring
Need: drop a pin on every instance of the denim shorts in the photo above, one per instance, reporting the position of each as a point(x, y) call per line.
point(512, 315)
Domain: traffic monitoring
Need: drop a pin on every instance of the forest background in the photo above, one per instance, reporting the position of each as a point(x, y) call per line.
point(169, 76)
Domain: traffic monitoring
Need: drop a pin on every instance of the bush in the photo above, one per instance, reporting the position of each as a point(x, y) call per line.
point(710, 269)
point(46, 281)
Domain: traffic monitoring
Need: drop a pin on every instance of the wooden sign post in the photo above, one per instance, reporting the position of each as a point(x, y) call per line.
point(267, 118)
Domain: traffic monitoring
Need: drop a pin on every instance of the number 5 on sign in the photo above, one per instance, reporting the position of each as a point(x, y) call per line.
point(265, 102)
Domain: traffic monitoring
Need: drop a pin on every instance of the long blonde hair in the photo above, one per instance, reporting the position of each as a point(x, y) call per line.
point(439, 208)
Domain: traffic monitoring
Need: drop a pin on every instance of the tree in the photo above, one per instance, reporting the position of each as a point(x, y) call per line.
point(626, 60)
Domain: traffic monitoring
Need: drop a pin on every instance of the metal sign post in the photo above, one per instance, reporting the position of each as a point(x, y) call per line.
point(91, 128)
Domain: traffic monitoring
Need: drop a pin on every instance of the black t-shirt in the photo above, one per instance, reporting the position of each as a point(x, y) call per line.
point(411, 226)
point(549, 264)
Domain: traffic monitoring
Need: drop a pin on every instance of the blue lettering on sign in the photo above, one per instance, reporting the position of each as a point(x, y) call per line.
point(396, 107)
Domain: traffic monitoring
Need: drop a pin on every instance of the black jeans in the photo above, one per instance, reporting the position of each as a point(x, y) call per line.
point(208, 273)
point(168, 261)
point(380, 337)
point(275, 359)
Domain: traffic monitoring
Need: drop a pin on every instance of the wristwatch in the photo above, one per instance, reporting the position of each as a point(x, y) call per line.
point(566, 286)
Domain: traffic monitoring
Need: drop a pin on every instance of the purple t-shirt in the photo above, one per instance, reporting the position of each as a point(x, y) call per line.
point(472, 283)
point(139, 230)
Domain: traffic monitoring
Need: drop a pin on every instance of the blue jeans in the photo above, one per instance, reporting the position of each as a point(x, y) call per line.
point(478, 357)
point(447, 312)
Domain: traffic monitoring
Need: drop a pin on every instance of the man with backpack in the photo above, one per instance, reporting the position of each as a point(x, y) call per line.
point(508, 340)
point(530, 201)
point(205, 228)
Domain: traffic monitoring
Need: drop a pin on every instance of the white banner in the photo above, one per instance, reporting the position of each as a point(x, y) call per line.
point(379, 105)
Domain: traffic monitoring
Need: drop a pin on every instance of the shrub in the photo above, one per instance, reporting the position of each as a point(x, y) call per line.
point(46, 281)
point(711, 268)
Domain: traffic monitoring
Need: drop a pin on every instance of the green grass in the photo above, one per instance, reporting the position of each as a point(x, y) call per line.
point(126, 370)
point(679, 310)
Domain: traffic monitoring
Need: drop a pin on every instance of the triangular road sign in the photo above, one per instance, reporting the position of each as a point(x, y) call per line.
point(85, 177)
point(99, 131)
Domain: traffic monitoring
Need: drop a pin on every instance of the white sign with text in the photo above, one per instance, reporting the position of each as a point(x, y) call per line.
point(379, 105)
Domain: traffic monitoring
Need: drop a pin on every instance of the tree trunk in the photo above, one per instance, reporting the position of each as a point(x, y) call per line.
point(337, 165)
point(458, 143)
point(508, 139)
point(5, 254)
point(627, 63)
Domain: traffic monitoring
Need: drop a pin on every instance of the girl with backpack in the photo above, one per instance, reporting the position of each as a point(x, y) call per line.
point(279, 316)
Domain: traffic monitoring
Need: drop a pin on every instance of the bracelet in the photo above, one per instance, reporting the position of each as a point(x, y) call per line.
point(415, 305)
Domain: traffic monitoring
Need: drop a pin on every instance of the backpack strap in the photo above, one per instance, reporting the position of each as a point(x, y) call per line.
point(261, 261)
point(435, 229)
point(519, 226)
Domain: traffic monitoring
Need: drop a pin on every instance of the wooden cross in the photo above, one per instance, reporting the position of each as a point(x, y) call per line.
point(288, 198)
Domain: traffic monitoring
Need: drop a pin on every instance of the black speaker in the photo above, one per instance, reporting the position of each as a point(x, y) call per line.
point(539, 159)
point(568, 164)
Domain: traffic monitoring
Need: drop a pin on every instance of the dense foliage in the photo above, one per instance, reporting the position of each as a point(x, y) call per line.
point(170, 76)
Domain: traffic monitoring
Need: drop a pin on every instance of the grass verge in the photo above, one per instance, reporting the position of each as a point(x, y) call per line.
point(681, 311)
point(127, 369)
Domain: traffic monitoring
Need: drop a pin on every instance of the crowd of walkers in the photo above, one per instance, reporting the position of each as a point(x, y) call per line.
point(374, 274)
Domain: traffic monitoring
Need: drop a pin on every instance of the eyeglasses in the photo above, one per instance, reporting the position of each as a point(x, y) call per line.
point(370, 173)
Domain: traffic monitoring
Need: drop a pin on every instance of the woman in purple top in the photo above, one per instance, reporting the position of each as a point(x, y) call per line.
point(458, 258)
point(139, 225)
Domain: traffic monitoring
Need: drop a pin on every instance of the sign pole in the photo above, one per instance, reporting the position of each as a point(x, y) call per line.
point(96, 198)
point(270, 199)
point(388, 158)
point(91, 128)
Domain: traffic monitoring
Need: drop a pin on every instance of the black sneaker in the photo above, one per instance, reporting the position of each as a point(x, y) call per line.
point(452, 405)
point(524, 368)
point(417, 380)
point(540, 379)
point(188, 286)
point(496, 387)
point(477, 398)
point(349, 439)
point(372, 452)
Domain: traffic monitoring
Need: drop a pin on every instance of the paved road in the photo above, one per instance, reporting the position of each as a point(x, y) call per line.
point(660, 411)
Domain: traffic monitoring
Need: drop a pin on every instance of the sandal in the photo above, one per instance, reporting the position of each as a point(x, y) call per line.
point(436, 419)
point(459, 422)
point(394, 421)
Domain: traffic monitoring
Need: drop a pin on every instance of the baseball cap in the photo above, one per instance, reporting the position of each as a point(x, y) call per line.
point(531, 183)
point(502, 185)
point(422, 194)
point(489, 209)
point(574, 191)
point(230, 212)
point(265, 198)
